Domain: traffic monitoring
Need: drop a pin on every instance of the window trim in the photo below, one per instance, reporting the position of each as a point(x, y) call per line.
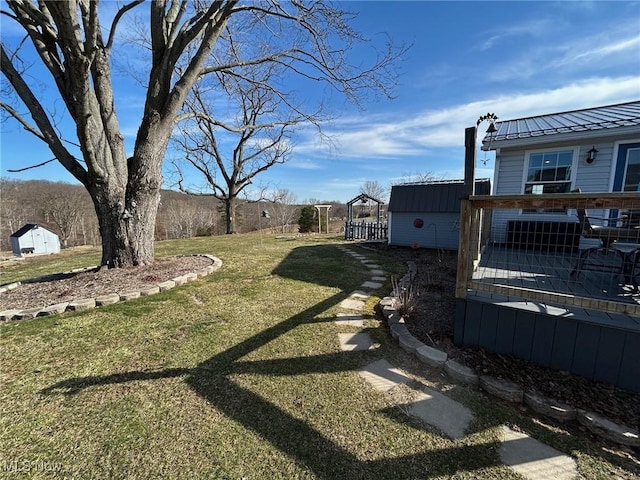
point(626, 170)
point(614, 158)
point(525, 171)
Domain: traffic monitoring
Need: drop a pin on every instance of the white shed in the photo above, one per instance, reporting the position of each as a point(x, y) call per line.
point(34, 239)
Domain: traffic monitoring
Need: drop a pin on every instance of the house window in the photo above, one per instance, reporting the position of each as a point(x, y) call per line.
point(548, 172)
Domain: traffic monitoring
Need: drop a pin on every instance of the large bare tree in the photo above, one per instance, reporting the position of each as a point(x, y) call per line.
point(186, 41)
point(230, 153)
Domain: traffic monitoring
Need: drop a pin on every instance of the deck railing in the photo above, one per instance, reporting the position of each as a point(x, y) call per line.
point(535, 248)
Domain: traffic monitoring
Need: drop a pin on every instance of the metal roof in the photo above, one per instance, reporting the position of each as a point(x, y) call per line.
point(433, 197)
point(587, 120)
point(24, 229)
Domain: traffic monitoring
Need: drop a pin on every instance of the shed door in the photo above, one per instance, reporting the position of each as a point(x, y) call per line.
point(627, 176)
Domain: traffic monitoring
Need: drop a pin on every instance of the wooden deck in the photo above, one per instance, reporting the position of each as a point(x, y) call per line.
point(528, 304)
point(510, 275)
point(500, 313)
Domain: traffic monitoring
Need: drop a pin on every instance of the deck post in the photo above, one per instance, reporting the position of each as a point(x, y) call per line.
point(465, 245)
point(464, 250)
point(469, 161)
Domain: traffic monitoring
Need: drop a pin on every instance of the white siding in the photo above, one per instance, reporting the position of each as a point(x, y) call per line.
point(508, 181)
point(39, 239)
point(594, 177)
point(597, 176)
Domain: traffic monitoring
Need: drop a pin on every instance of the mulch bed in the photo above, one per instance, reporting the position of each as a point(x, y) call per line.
point(65, 287)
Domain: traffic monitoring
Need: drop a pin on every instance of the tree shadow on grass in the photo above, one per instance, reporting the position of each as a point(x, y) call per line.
point(212, 380)
point(294, 437)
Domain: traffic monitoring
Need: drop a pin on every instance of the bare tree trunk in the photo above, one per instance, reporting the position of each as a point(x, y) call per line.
point(127, 233)
point(76, 49)
point(230, 214)
point(127, 211)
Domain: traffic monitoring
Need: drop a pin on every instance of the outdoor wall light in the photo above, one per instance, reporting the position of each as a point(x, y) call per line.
point(591, 155)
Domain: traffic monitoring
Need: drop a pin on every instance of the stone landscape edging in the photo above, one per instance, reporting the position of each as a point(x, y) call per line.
point(508, 391)
point(109, 299)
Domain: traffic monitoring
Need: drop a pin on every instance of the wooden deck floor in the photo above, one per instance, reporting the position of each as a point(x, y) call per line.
point(600, 278)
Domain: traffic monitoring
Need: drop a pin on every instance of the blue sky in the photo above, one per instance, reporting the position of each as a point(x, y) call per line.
point(515, 59)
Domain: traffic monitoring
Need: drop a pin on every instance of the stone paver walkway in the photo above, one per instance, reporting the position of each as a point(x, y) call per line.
point(383, 376)
point(533, 459)
point(525, 455)
point(355, 341)
point(352, 303)
point(442, 412)
point(349, 320)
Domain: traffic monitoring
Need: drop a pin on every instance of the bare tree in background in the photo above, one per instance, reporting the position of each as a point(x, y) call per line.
point(186, 219)
point(284, 210)
point(418, 177)
point(185, 42)
point(63, 207)
point(375, 190)
point(12, 215)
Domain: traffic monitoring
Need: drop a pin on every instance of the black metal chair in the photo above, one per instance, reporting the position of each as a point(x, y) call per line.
point(622, 242)
point(607, 234)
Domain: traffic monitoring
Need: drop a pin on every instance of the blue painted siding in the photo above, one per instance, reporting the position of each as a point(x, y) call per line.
point(598, 351)
point(440, 230)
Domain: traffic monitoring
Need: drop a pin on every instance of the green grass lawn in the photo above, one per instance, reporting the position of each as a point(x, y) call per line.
point(237, 375)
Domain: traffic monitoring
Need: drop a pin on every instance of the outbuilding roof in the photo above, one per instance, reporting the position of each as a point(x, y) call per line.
point(609, 119)
point(436, 197)
point(24, 229)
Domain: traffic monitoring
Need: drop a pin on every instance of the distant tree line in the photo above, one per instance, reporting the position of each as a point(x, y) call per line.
point(67, 210)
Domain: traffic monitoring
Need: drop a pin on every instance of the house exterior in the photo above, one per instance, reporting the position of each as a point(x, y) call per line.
point(536, 305)
point(594, 150)
point(427, 215)
point(34, 239)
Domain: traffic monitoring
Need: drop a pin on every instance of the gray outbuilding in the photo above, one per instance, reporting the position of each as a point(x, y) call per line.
point(427, 215)
point(34, 239)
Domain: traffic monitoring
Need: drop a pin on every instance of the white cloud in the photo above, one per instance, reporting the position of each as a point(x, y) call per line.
point(631, 45)
point(444, 128)
point(531, 28)
point(303, 164)
point(600, 50)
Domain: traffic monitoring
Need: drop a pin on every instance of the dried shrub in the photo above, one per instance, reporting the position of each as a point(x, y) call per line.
point(406, 298)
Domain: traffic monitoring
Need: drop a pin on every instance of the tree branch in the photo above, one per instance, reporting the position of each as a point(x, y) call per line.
point(119, 15)
point(45, 128)
point(32, 166)
point(26, 125)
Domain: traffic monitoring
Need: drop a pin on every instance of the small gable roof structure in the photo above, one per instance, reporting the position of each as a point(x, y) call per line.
point(33, 238)
point(442, 196)
point(364, 198)
point(610, 120)
point(27, 227)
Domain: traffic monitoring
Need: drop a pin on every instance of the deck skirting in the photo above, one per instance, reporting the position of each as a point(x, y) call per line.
point(596, 345)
